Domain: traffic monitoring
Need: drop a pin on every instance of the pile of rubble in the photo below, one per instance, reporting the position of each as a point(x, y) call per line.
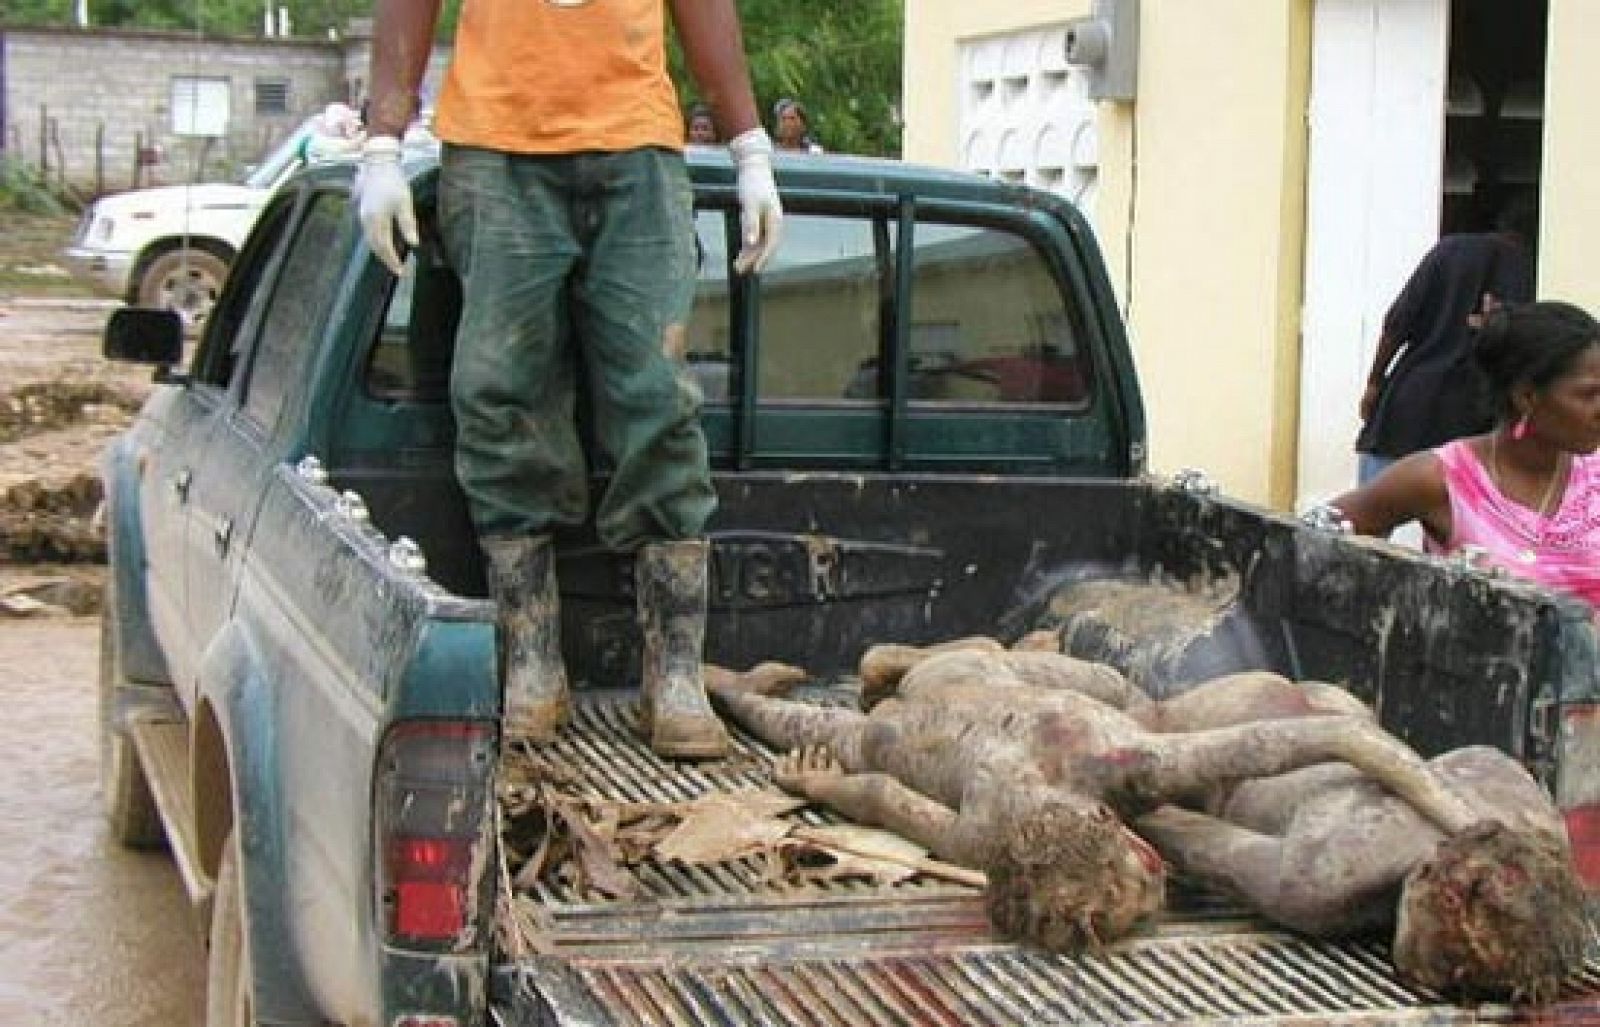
point(51, 436)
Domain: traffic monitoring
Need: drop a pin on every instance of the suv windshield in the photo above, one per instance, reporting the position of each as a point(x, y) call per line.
point(283, 159)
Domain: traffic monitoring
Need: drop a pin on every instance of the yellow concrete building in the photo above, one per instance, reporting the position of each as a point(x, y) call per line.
point(1278, 170)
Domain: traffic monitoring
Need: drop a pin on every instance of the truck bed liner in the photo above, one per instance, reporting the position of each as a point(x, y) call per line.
point(725, 944)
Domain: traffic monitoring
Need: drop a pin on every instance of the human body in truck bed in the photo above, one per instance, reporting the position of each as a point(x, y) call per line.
point(1003, 762)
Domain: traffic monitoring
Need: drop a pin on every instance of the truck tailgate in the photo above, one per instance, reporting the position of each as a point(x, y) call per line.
point(726, 944)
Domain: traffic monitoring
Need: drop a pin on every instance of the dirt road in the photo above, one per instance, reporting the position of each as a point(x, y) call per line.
point(90, 932)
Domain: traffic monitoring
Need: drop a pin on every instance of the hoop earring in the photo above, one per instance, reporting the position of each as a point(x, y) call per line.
point(1519, 431)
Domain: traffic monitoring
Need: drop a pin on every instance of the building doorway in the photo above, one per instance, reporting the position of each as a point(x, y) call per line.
point(1426, 118)
point(1494, 111)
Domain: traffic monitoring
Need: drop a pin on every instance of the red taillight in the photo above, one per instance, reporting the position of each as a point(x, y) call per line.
point(428, 885)
point(1577, 786)
point(1583, 829)
point(431, 823)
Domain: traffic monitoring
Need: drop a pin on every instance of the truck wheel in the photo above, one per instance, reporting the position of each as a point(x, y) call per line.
point(228, 966)
point(130, 808)
point(186, 281)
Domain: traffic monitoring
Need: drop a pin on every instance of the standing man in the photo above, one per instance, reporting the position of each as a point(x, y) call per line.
point(565, 207)
point(1424, 388)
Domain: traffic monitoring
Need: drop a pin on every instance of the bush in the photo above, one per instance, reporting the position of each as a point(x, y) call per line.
point(21, 189)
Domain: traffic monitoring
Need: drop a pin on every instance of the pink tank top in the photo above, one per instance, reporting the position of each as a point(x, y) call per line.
point(1561, 551)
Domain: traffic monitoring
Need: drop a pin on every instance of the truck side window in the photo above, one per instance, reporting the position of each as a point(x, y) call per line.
point(989, 324)
point(300, 300)
point(707, 347)
point(217, 358)
point(821, 302)
point(410, 359)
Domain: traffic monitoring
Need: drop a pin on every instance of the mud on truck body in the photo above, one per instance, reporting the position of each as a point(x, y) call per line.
point(924, 422)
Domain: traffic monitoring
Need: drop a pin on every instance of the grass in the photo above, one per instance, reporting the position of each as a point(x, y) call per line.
point(30, 255)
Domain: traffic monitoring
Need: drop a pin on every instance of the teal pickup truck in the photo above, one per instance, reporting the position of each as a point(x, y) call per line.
point(925, 423)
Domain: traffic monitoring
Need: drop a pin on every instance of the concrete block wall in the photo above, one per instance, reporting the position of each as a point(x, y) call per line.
point(101, 92)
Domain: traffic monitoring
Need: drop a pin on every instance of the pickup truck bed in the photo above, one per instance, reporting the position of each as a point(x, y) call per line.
point(724, 945)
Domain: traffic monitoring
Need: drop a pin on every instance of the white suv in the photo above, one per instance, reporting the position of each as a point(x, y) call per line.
point(171, 246)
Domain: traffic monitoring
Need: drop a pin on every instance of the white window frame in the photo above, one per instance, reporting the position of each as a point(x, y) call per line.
point(200, 106)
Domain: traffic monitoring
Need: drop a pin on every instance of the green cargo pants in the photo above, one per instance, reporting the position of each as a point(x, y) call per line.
point(589, 254)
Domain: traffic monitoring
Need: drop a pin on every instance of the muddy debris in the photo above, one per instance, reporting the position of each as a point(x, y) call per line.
point(52, 591)
point(49, 405)
point(52, 521)
point(52, 434)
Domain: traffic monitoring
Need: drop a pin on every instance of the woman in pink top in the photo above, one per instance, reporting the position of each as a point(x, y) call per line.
point(1528, 492)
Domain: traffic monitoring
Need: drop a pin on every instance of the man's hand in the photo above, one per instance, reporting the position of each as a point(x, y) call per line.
point(760, 212)
point(383, 200)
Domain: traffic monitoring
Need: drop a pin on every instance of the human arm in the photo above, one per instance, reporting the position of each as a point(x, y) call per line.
point(402, 42)
point(714, 48)
point(874, 799)
point(1410, 489)
point(1400, 322)
point(1184, 768)
point(1388, 345)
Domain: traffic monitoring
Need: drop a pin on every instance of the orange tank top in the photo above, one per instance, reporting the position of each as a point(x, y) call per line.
point(560, 76)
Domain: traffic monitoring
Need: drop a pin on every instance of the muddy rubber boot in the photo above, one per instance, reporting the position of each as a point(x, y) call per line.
point(674, 713)
point(522, 583)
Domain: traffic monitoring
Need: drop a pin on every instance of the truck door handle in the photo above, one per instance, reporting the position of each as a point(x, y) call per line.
point(180, 484)
point(222, 534)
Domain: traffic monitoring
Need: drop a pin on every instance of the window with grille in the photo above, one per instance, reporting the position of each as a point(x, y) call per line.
point(272, 96)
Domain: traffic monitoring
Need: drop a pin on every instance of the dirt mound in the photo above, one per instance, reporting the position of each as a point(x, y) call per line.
point(50, 405)
point(52, 521)
point(52, 433)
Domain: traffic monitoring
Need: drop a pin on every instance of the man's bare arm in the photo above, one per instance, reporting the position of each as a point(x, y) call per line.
point(402, 41)
point(1388, 345)
point(714, 47)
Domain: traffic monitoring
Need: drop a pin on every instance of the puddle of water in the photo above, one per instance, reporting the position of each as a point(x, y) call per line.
point(90, 932)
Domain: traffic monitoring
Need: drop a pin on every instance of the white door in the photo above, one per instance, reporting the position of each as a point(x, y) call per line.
point(1378, 71)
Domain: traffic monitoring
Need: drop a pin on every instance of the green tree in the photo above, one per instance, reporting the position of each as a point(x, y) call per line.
point(841, 58)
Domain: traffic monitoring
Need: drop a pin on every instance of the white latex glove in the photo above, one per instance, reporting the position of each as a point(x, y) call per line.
point(383, 200)
point(760, 212)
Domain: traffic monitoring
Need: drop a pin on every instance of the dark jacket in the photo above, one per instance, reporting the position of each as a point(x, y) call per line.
point(1434, 391)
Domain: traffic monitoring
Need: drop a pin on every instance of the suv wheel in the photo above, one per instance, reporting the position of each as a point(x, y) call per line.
point(185, 280)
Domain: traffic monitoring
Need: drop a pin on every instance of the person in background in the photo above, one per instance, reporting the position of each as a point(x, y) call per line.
point(792, 127)
point(1527, 492)
point(565, 208)
point(1423, 389)
point(699, 127)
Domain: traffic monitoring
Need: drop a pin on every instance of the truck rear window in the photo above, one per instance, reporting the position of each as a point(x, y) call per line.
point(989, 323)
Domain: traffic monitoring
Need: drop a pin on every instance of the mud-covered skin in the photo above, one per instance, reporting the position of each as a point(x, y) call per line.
point(522, 583)
point(1330, 852)
point(1491, 909)
point(1491, 912)
point(674, 713)
point(995, 760)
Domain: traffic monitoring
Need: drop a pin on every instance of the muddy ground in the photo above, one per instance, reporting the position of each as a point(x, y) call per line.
point(91, 933)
